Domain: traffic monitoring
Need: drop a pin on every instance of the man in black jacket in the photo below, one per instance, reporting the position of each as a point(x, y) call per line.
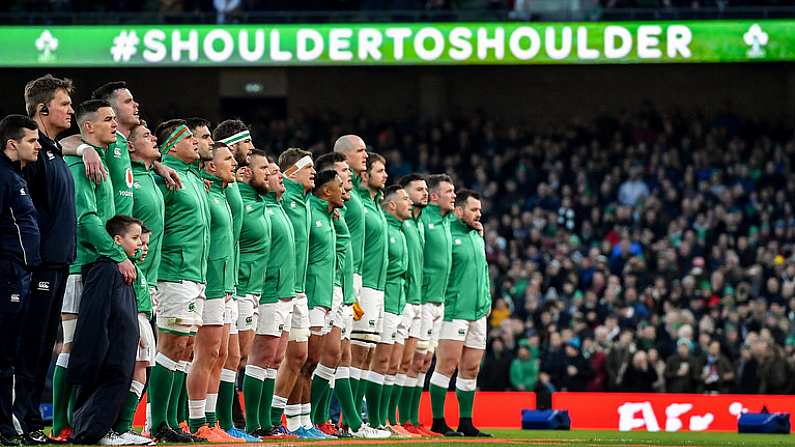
point(19, 250)
point(47, 100)
point(106, 340)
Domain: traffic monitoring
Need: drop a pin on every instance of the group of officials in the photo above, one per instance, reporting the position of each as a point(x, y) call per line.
point(176, 256)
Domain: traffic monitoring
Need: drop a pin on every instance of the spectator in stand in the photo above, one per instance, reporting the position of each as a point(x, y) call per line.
point(494, 374)
point(640, 376)
point(681, 372)
point(524, 371)
point(718, 372)
point(577, 371)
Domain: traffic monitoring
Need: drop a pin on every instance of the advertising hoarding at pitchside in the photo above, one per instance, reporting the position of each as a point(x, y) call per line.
point(382, 44)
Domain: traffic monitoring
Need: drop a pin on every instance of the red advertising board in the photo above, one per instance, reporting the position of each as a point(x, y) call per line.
point(664, 412)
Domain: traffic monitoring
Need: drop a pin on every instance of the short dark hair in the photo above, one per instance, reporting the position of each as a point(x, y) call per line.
point(327, 161)
point(106, 91)
point(390, 191)
point(42, 90)
point(145, 229)
point(322, 179)
point(290, 156)
point(134, 127)
point(217, 145)
point(464, 194)
point(259, 153)
point(373, 157)
point(88, 107)
point(165, 128)
point(408, 178)
point(120, 224)
point(195, 122)
point(228, 128)
point(12, 127)
point(435, 180)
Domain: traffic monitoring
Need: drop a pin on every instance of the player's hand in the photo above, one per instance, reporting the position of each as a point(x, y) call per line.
point(479, 227)
point(127, 270)
point(358, 312)
point(173, 182)
point(141, 340)
point(95, 170)
point(228, 297)
point(207, 185)
point(336, 214)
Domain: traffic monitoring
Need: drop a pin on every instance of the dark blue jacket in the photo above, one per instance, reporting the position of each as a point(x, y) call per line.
point(19, 230)
point(53, 192)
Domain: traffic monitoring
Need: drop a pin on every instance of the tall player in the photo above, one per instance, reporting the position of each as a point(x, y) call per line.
point(462, 339)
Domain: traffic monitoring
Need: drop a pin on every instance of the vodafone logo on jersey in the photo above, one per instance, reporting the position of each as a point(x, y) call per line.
point(128, 178)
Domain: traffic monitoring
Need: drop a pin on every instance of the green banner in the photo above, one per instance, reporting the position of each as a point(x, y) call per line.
point(505, 43)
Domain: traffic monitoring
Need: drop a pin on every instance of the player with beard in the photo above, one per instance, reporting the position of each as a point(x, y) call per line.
point(462, 339)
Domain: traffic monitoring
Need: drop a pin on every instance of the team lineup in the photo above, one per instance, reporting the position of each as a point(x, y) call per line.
point(180, 255)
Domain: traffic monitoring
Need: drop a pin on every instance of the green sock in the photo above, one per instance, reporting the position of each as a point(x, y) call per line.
point(182, 403)
point(174, 401)
point(61, 391)
point(465, 401)
point(404, 407)
point(210, 418)
point(438, 395)
point(320, 387)
point(266, 399)
point(361, 389)
point(161, 381)
point(252, 393)
point(70, 407)
point(226, 395)
point(325, 415)
point(126, 414)
point(394, 400)
point(277, 413)
point(386, 396)
point(374, 393)
point(344, 395)
point(196, 423)
point(415, 405)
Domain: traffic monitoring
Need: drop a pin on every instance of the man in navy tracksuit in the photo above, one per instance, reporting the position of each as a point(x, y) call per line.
point(50, 184)
point(19, 250)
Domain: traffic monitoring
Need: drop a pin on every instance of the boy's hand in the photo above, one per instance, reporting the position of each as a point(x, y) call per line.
point(127, 270)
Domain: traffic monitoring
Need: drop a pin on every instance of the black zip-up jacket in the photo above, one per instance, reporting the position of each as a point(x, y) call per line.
point(53, 191)
point(19, 229)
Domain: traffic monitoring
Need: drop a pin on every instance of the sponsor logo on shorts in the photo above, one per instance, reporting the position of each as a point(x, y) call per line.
point(371, 323)
point(462, 332)
point(430, 331)
point(281, 327)
point(44, 285)
point(249, 320)
point(192, 307)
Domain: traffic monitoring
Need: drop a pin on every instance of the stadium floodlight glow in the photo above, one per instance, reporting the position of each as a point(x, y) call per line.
point(483, 43)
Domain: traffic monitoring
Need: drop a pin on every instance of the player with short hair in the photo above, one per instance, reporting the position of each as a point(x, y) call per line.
point(19, 250)
point(201, 130)
point(182, 276)
point(437, 258)
point(235, 134)
point(51, 187)
point(462, 339)
point(299, 180)
point(367, 330)
point(407, 392)
point(397, 209)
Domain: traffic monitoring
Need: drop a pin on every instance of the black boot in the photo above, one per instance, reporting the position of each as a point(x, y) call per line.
point(467, 429)
point(441, 427)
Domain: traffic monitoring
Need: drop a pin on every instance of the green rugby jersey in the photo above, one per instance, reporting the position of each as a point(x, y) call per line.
point(437, 255)
point(141, 288)
point(375, 246)
point(414, 231)
point(235, 201)
point(322, 260)
point(354, 219)
point(186, 231)
point(296, 206)
point(344, 276)
point(395, 290)
point(149, 208)
point(121, 175)
point(255, 242)
point(93, 207)
point(280, 275)
point(468, 295)
point(221, 271)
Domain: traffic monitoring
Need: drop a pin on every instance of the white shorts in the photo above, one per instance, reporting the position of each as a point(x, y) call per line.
point(336, 315)
point(472, 333)
point(389, 331)
point(230, 316)
point(371, 324)
point(409, 323)
point(276, 318)
point(214, 312)
point(347, 321)
point(180, 306)
point(299, 324)
point(317, 319)
point(147, 348)
point(72, 295)
point(357, 285)
point(247, 312)
point(432, 316)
